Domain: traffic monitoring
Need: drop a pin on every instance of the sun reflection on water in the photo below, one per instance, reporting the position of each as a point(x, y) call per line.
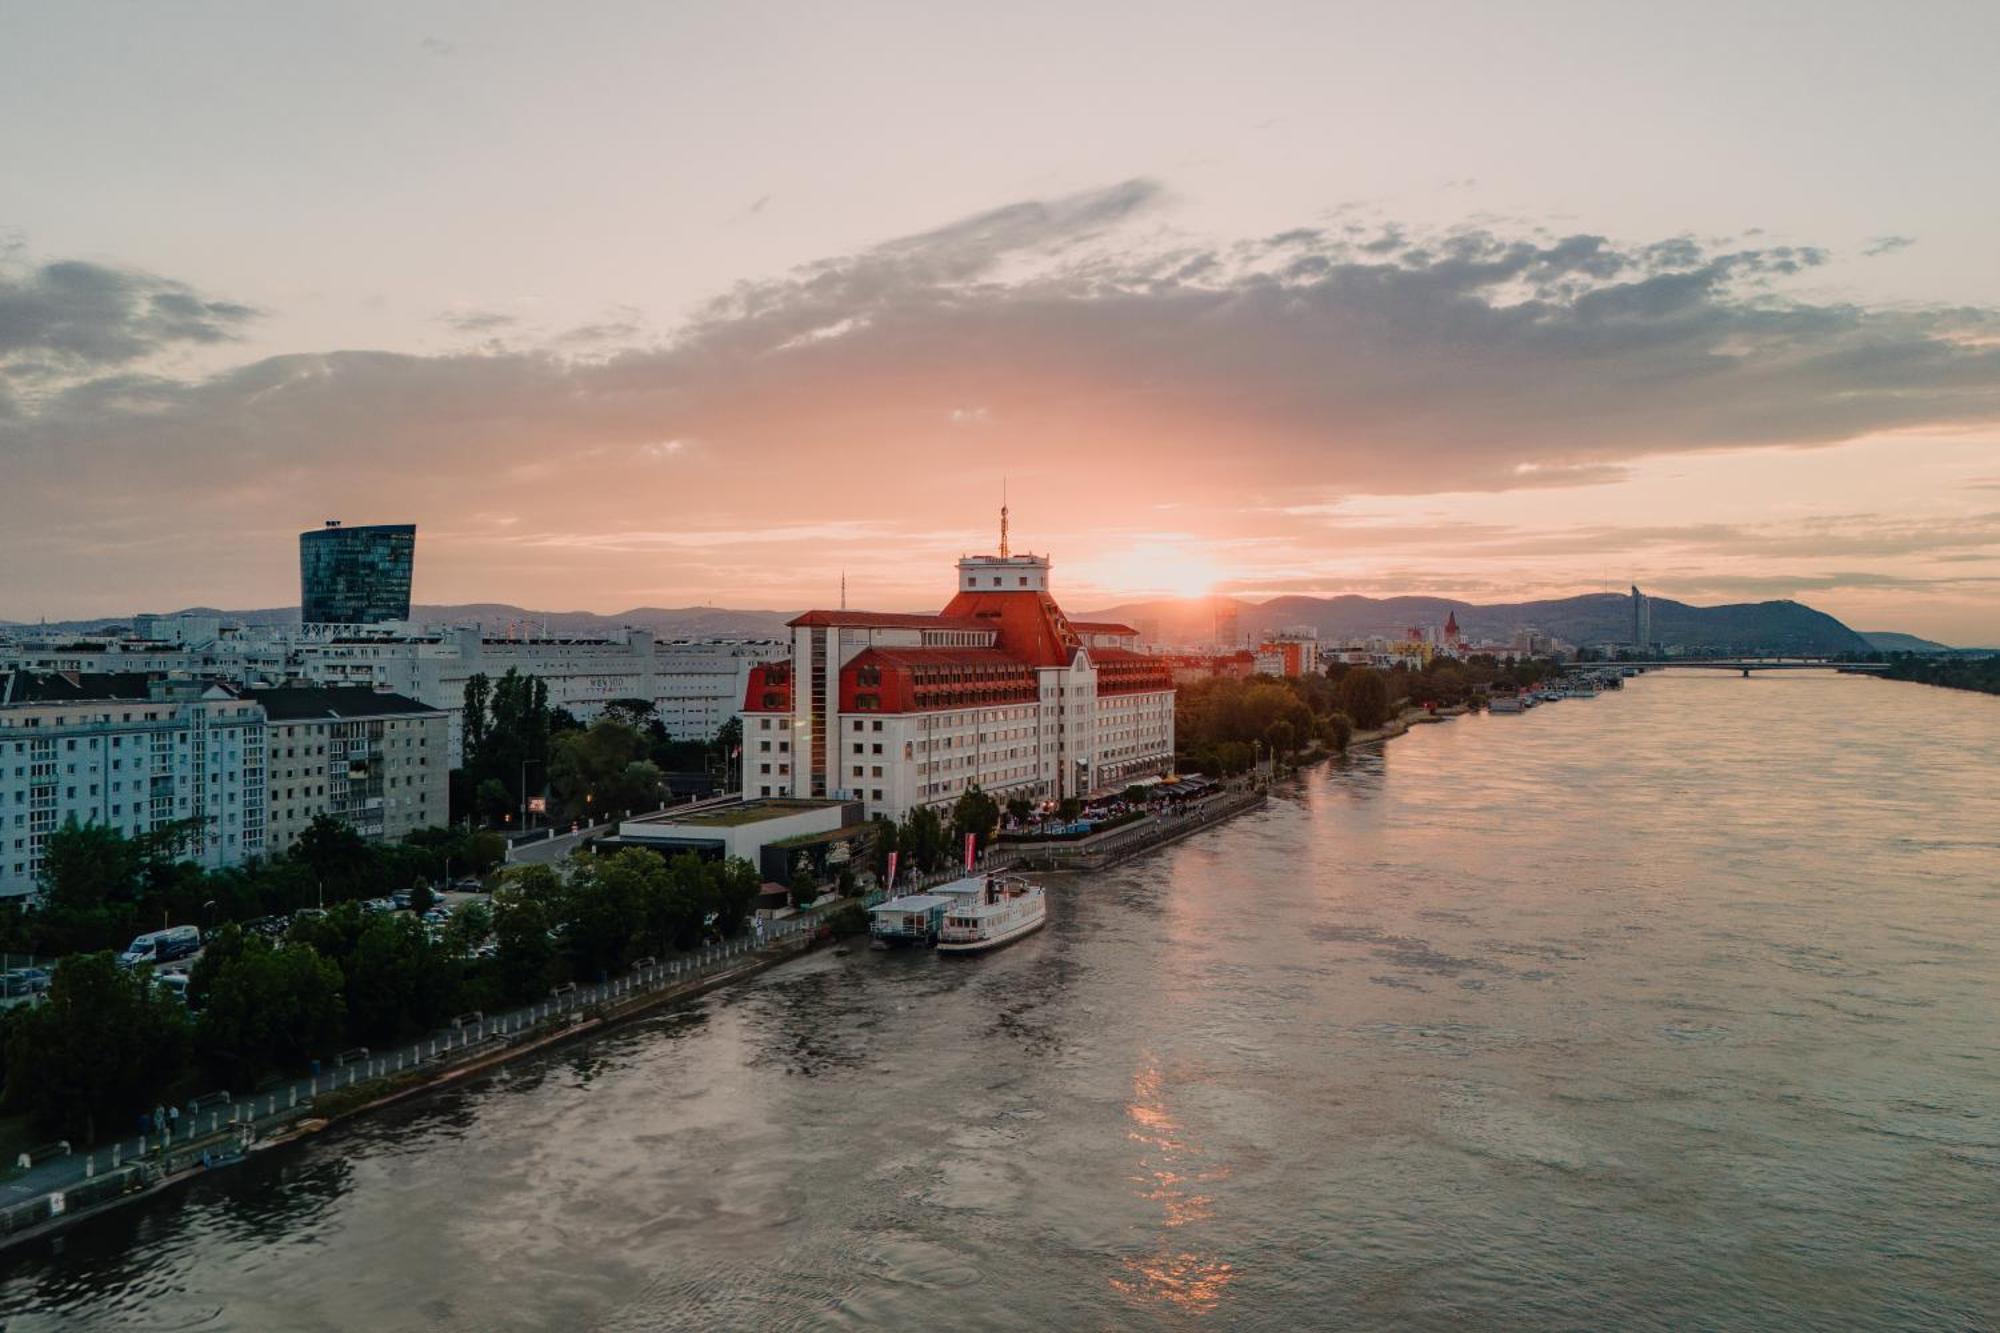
point(1173, 1274)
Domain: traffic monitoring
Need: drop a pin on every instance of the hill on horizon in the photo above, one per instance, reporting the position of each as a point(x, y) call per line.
point(1773, 627)
point(1769, 627)
point(687, 622)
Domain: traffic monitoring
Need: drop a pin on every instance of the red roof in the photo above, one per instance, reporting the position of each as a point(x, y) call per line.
point(1102, 627)
point(770, 688)
point(1122, 671)
point(1030, 624)
point(903, 680)
point(882, 620)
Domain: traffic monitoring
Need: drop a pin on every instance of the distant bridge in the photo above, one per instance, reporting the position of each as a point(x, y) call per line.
point(1746, 665)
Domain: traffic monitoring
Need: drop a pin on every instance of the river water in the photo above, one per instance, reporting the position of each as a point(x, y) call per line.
point(1672, 1009)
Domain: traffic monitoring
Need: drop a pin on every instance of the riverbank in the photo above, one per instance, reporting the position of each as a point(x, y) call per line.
point(427, 1067)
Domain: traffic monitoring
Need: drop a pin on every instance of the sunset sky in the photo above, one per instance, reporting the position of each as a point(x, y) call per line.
point(663, 304)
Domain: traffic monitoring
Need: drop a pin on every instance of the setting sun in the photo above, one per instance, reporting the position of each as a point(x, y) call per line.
point(1152, 568)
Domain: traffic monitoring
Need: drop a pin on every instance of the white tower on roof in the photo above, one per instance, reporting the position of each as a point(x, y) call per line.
point(1005, 572)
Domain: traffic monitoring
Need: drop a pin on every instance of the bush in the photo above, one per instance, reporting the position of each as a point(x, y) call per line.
point(848, 921)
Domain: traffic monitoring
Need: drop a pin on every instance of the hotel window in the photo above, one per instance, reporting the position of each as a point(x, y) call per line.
point(876, 794)
point(857, 770)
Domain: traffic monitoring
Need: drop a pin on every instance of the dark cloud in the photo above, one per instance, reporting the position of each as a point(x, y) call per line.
point(73, 317)
point(1094, 347)
point(1887, 245)
point(476, 321)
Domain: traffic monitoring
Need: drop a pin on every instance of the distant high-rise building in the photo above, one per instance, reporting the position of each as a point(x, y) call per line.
point(1642, 620)
point(356, 576)
point(1227, 634)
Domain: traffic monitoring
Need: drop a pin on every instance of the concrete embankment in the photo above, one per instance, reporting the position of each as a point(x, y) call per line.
point(1128, 840)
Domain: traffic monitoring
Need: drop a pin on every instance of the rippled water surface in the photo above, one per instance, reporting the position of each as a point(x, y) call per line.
point(1672, 1009)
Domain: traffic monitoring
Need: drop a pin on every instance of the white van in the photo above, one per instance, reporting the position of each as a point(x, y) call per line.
point(161, 946)
point(174, 984)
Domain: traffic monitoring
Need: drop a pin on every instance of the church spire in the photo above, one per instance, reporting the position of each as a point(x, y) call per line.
point(1003, 518)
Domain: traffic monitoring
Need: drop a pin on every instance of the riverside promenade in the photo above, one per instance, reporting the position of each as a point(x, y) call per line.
point(1102, 850)
point(62, 1185)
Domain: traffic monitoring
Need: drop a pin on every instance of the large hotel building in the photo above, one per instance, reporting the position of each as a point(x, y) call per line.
point(1000, 689)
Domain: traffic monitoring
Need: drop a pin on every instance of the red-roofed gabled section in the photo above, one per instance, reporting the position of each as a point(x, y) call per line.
point(1030, 625)
point(1111, 627)
point(1122, 671)
point(908, 680)
point(770, 688)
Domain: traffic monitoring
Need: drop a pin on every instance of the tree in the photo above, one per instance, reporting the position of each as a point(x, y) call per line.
point(1020, 809)
point(525, 955)
point(87, 866)
point(269, 1009)
point(603, 769)
point(102, 1049)
point(922, 839)
point(470, 925)
point(422, 899)
point(805, 889)
point(478, 693)
point(337, 856)
point(1069, 809)
point(976, 813)
point(1364, 697)
point(397, 981)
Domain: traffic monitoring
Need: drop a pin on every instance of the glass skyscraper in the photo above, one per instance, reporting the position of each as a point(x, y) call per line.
point(356, 576)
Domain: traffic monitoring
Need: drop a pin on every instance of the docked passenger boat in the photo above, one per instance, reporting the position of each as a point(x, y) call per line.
point(911, 919)
point(1005, 908)
point(1506, 703)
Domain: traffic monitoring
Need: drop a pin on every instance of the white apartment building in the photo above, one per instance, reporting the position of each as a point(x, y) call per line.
point(133, 755)
point(1000, 689)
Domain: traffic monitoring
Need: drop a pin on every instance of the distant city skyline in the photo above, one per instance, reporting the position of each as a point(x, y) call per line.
point(682, 306)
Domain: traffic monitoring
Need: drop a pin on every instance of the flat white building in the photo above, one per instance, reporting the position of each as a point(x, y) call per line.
point(131, 754)
point(1000, 689)
point(695, 686)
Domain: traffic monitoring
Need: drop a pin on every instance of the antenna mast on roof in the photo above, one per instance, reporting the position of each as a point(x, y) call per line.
point(843, 590)
point(1003, 518)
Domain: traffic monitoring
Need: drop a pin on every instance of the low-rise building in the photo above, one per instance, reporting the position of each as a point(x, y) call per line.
point(777, 835)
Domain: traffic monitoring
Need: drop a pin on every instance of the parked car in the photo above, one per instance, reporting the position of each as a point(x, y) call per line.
point(401, 900)
point(468, 884)
point(36, 977)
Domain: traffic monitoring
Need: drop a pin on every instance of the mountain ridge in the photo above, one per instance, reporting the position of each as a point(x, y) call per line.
point(1777, 626)
point(1592, 618)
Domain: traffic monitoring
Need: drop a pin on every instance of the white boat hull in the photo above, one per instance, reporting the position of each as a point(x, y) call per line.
point(1008, 936)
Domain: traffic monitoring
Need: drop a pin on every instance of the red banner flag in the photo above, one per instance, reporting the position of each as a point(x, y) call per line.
point(971, 848)
point(891, 882)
